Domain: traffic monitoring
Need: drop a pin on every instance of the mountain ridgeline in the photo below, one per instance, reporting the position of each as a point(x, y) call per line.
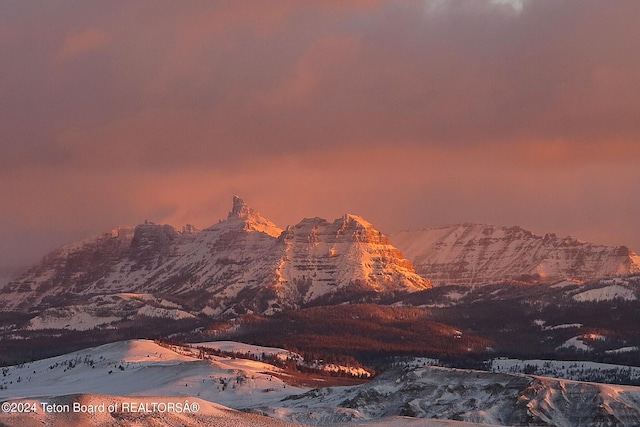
point(477, 254)
point(242, 264)
point(246, 264)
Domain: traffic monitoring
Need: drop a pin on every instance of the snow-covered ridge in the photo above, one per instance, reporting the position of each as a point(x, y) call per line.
point(260, 353)
point(606, 293)
point(473, 254)
point(251, 219)
point(571, 370)
point(252, 350)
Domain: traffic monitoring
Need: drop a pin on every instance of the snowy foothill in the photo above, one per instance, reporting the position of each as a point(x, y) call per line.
point(249, 349)
point(570, 370)
point(96, 410)
point(576, 343)
point(259, 352)
point(476, 397)
point(145, 368)
point(91, 314)
point(607, 293)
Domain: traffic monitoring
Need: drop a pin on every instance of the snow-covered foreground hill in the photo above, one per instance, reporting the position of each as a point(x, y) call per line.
point(208, 415)
point(144, 368)
point(136, 375)
point(73, 411)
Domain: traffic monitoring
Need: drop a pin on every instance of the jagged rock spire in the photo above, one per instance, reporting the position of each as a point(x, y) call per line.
point(240, 209)
point(251, 218)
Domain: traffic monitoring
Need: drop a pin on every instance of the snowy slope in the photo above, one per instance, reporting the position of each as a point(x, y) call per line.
point(244, 263)
point(140, 412)
point(123, 411)
point(102, 310)
point(607, 293)
point(143, 371)
point(259, 352)
point(472, 254)
point(144, 368)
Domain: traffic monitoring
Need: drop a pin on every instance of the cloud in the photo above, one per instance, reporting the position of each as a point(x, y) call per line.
point(81, 42)
point(409, 113)
point(234, 78)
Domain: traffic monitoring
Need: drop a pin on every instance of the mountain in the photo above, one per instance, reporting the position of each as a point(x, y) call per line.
point(317, 257)
point(474, 254)
point(242, 264)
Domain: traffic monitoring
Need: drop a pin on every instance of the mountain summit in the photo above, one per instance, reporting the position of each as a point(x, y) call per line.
point(240, 208)
point(250, 219)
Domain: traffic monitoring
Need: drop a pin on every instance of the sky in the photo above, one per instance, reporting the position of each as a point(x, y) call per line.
point(408, 113)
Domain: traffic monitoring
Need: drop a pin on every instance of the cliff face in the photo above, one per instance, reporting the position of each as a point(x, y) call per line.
point(318, 258)
point(474, 254)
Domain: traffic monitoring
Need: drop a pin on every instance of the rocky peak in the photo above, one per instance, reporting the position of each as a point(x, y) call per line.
point(151, 241)
point(189, 229)
point(360, 230)
point(322, 258)
point(240, 209)
point(249, 219)
point(150, 231)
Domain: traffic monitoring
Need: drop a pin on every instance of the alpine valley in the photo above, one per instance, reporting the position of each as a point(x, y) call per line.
point(464, 323)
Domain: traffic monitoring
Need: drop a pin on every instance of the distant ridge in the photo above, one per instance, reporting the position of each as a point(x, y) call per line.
point(476, 254)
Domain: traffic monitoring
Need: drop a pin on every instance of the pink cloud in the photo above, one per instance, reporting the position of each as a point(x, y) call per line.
point(80, 42)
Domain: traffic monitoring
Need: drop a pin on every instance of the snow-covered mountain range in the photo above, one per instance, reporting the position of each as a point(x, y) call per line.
point(244, 263)
point(247, 264)
point(475, 254)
